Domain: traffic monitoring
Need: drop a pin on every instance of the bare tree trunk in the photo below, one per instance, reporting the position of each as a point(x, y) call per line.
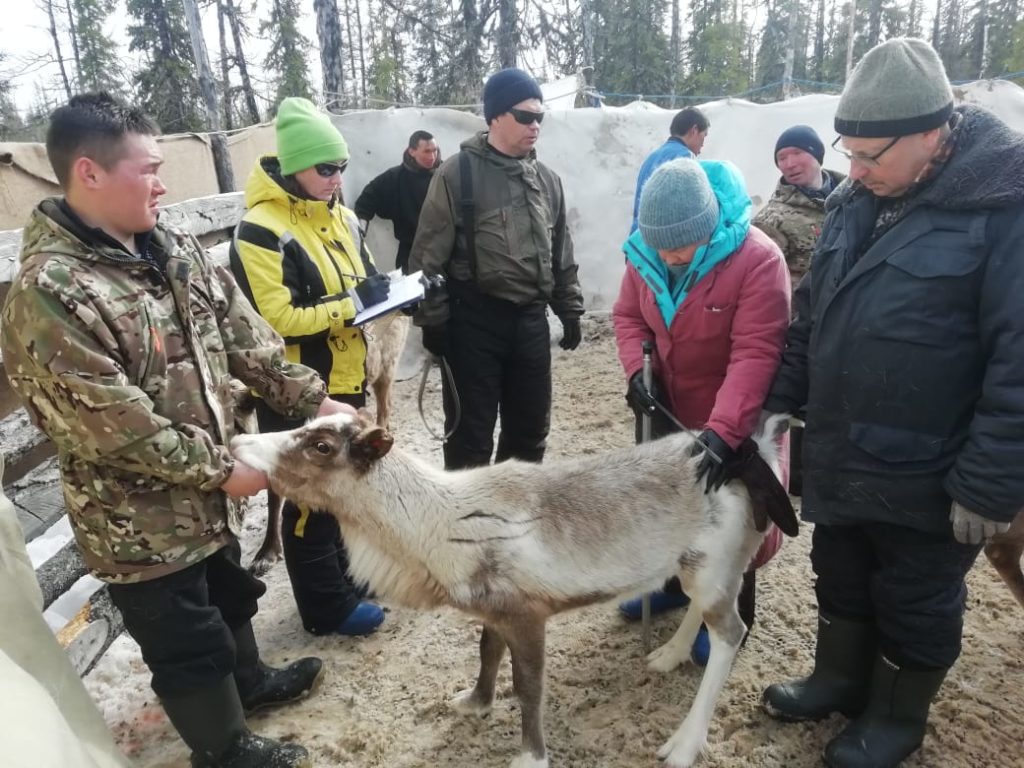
point(506, 33)
point(240, 62)
point(73, 33)
point(56, 48)
point(351, 44)
point(225, 67)
point(852, 38)
point(674, 48)
point(787, 69)
point(587, 18)
point(332, 62)
point(207, 86)
point(362, 59)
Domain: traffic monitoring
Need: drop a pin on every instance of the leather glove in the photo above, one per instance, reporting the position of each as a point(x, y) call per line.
point(972, 528)
point(372, 290)
point(435, 339)
point(571, 333)
point(637, 396)
point(716, 457)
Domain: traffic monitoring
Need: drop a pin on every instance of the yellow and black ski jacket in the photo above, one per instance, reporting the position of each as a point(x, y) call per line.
point(293, 258)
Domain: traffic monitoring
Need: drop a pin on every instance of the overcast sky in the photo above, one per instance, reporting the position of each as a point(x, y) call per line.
point(24, 33)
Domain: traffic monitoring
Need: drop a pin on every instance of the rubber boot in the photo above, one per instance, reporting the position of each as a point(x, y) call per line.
point(210, 721)
point(893, 725)
point(262, 686)
point(841, 676)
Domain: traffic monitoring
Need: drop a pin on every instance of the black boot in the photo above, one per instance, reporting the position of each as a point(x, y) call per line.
point(210, 721)
point(262, 686)
point(892, 727)
point(839, 682)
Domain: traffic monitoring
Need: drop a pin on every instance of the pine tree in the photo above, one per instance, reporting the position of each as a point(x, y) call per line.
point(286, 60)
point(11, 124)
point(631, 51)
point(717, 48)
point(166, 83)
point(98, 65)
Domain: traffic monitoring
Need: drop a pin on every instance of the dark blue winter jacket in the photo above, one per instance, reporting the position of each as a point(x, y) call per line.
point(910, 362)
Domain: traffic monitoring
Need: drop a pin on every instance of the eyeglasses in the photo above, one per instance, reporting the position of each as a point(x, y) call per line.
point(326, 170)
point(869, 160)
point(525, 116)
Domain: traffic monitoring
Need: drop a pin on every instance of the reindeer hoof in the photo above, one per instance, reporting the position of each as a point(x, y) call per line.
point(666, 658)
point(680, 751)
point(526, 760)
point(468, 703)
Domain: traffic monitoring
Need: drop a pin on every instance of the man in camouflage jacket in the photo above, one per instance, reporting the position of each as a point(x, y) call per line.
point(793, 215)
point(121, 339)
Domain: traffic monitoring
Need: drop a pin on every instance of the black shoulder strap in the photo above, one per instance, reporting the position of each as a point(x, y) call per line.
point(468, 208)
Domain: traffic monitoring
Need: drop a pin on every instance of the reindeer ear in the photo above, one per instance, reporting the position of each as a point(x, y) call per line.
point(371, 444)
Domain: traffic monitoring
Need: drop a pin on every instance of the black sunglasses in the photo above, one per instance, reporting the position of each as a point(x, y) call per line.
point(329, 169)
point(525, 116)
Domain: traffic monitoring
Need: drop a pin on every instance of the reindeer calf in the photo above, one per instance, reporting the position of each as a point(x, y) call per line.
point(514, 543)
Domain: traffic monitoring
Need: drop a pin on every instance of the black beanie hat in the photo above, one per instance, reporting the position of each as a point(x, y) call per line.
point(801, 137)
point(507, 88)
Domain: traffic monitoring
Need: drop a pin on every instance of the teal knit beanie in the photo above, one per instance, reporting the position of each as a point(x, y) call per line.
point(899, 88)
point(677, 206)
point(306, 136)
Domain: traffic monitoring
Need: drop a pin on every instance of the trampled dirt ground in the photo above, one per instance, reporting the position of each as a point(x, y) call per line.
point(384, 700)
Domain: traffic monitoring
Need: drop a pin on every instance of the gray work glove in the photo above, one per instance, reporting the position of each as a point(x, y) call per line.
point(971, 528)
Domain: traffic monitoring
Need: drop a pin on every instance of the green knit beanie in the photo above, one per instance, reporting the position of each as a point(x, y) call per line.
point(899, 88)
point(306, 136)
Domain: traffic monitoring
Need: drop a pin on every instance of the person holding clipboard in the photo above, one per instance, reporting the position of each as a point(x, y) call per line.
point(299, 256)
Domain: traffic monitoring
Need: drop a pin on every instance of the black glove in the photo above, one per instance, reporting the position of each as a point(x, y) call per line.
point(716, 458)
point(571, 333)
point(372, 290)
point(637, 396)
point(435, 339)
point(410, 309)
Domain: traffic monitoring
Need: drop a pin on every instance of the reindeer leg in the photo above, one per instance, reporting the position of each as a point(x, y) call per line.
point(677, 650)
point(478, 700)
point(526, 644)
point(726, 631)
point(382, 394)
point(270, 550)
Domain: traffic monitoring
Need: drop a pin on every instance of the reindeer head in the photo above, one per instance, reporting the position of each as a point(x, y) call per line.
point(311, 464)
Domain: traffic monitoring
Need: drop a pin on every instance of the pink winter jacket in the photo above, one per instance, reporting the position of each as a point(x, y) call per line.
point(717, 359)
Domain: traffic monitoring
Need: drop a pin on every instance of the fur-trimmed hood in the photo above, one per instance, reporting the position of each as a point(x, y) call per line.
point(986, 169)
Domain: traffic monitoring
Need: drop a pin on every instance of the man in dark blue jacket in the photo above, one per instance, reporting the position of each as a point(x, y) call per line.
point(686, 139)
point(907, 351)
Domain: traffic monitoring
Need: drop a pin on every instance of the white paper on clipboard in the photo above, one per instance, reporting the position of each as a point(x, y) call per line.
point(404, 291)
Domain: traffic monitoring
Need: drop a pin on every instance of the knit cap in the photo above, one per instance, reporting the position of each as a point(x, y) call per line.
point(899, 88)
point(306, 136)
point(677, 206)
point(801, 137)
point(506, 88)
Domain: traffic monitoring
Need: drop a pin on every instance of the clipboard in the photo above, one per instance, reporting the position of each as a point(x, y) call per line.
point(405, 290)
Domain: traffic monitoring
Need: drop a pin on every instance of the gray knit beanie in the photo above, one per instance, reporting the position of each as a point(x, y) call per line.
point(899, 88)
point(677, 206)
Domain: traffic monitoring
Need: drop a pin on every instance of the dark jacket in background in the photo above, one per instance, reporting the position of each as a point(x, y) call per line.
point(397, 195)
point(909, 351)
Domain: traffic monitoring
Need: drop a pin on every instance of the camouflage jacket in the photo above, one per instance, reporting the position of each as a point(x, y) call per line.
point(793, 220)
point(127, 368)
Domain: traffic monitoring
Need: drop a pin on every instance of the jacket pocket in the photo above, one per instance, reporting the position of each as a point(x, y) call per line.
point(894, 445)
point(950, 259)
point(495, 256)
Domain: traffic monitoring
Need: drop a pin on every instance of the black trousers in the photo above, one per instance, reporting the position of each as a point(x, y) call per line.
point(500, 356)
point(314, 551)
point(909, 583)
point(183, 622)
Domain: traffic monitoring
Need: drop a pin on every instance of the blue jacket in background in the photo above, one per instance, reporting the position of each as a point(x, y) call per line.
point(670, 150)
